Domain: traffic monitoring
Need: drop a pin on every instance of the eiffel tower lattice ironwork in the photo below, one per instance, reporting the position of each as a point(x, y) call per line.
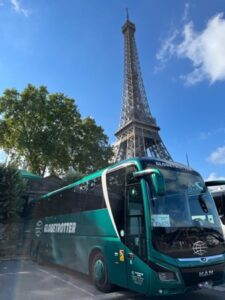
point(138, 133)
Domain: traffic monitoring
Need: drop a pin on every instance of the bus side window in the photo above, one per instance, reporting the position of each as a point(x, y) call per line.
point(94, 195)
point(220, 205)
point(116, 192)
point(218, 202)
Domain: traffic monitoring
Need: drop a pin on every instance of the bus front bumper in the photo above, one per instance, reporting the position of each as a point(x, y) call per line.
point(170, 280)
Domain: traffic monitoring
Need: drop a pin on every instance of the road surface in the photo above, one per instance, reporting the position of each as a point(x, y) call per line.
point(26, 280)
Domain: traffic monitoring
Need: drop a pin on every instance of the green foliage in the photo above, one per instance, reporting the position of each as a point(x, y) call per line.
point(95, 151)
point(72, 176)
point(46, 130)
point(12, 188)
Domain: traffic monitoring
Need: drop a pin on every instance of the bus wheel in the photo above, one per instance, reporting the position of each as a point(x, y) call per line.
point(99, 273)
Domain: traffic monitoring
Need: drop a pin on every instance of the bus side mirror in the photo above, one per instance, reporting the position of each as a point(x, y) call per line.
point(158, 183)
point(157, 179)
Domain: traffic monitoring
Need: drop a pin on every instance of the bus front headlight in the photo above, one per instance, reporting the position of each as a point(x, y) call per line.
point(164, 274)
point(167, 276)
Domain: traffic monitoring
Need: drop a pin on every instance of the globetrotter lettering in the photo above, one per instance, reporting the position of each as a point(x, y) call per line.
point(60, 228)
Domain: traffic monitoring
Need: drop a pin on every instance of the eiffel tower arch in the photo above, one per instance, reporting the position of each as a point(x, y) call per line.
point(138, 133)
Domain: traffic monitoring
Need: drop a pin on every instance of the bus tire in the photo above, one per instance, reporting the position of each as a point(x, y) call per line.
point(99, 274)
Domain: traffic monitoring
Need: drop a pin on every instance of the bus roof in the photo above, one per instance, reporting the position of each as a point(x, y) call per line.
point(166, 164)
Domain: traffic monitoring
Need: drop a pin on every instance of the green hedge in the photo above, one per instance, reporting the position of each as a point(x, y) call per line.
point(12, 188)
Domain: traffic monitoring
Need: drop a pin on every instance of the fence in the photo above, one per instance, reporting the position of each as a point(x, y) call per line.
point(14, 241)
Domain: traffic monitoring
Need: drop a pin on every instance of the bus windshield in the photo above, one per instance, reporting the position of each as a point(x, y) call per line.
point(184, 215)
point(186, 203)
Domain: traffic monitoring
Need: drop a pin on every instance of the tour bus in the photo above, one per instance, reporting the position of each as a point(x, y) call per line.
point(148, 225)
point(219, 198)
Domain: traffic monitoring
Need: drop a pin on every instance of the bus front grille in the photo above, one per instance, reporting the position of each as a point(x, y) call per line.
point(194, 276)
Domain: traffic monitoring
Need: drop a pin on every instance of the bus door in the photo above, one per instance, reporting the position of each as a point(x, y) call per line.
point(135, 239)
point(127, 207)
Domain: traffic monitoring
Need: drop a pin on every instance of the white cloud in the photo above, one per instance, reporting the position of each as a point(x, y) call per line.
point(186, 12)
point(167, 50)
point(213, 176)
point(205, 50)
point(218, 156)
point(18, 8)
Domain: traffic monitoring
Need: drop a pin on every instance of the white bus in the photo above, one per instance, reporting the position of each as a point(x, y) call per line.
point(217, 190)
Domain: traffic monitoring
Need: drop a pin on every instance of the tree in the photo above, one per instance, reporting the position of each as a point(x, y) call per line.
point(71, 176)
point(94, 151)
point(46, 131)
point(12, 188)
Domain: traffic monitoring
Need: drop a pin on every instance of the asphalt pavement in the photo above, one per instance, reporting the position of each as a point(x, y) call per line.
point(26, 280)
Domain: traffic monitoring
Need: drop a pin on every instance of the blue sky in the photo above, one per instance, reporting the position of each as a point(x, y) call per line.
point(76, 47)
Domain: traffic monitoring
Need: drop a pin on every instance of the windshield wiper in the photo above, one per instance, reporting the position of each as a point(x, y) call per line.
point(214, 234)
point(219, 238)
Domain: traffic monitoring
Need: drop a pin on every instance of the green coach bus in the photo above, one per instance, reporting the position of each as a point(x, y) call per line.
point(145, 224)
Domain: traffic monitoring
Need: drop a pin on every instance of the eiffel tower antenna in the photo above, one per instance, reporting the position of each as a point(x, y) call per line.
point(127, 14)
point(138, 133)
point(187, 159)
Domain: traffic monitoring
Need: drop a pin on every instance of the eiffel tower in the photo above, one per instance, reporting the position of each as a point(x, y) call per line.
point(138, 133)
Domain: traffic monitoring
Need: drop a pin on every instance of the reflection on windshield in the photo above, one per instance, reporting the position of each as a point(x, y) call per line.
point(186, 202)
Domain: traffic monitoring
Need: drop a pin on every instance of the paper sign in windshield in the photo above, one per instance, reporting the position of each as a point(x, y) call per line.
point(161, 220)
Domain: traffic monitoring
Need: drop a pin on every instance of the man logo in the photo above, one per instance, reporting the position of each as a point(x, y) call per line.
point(200, 248)
point(206, 273)
point(38, 228)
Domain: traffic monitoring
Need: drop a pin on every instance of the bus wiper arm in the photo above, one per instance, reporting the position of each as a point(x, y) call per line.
point(217, 237)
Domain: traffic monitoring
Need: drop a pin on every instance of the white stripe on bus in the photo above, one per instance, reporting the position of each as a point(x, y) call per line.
point(105, 190)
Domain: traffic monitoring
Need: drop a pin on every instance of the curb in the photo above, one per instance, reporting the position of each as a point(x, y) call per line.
point(14, 258)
